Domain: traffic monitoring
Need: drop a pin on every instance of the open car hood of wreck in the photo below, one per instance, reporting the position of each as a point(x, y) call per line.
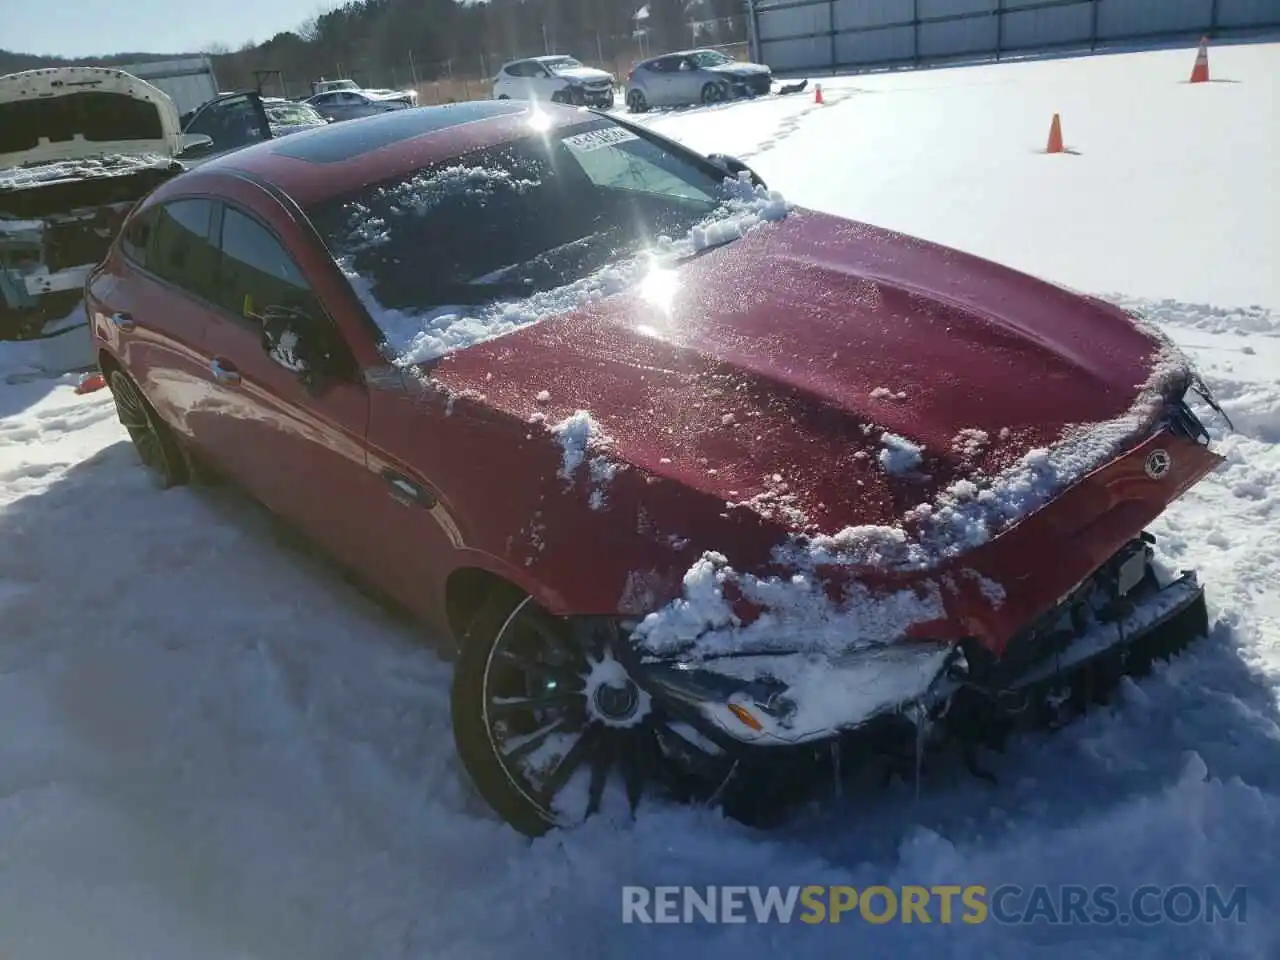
point(74, 113)
point(795, 370)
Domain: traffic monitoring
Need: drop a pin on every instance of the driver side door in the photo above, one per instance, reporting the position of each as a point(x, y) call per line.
point(299, 449)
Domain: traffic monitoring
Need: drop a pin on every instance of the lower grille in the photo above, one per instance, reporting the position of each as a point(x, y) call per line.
point(1096, 599)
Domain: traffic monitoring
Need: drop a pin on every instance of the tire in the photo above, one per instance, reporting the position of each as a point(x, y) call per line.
point(636, 102)
point(560, 96)
point(525, 675)
point(503, 96)
point(155, 443)
point(713, 93)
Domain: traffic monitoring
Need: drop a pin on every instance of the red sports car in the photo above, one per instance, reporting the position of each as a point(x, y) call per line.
point(708, 489)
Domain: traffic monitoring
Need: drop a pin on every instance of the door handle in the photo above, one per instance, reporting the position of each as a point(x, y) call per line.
point(123, 321)
point(405, 491)
point(223, 371)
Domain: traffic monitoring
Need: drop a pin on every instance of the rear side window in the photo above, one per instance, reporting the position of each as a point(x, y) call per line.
point(136, 236)
point(180, 251)
point(256, 273)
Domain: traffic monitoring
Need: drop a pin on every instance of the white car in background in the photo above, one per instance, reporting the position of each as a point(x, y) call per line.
point(557, 78)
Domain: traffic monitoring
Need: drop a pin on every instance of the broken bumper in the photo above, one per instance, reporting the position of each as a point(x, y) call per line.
point(771, 701)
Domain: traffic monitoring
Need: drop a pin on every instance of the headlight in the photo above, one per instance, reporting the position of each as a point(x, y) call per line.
point(793, 698)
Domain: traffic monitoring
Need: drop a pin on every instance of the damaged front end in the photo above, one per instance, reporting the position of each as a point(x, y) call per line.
point(79, 146)
point(57, 222)
point(791, 722)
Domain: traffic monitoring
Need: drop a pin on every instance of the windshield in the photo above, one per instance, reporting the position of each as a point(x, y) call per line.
point(433, 255)
point(709, 58)
point(563, 63)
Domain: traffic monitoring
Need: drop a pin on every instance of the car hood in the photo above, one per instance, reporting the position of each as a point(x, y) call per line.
point(825, 372)
point(588, 74)
point(740, 69)
point(60, 114)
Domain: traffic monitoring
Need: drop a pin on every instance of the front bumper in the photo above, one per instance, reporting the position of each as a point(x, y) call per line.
point(751, 86)
point(1114, 618)
point(595, 96)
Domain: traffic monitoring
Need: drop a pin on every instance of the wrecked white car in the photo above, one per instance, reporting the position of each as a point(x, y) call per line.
point(79, 146)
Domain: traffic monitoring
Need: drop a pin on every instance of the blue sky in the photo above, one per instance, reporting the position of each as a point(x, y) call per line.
point(80, 28)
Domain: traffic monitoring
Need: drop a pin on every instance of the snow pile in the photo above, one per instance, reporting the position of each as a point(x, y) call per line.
point(420, 336)
point(899, 455)
point(1242, 321)
point(969, 443)
point(797, 616)
point(579, 435)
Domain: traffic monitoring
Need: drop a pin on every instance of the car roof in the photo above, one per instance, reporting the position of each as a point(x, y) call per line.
point(314, 165)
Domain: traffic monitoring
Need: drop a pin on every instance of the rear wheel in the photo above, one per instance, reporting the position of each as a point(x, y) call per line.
point(636, 102)
point(151, 436)
point(553, 728)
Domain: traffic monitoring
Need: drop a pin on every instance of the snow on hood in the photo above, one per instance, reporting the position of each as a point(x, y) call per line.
point(740, 69)
point(415, 338)
point(801, 616)
point(50, 110)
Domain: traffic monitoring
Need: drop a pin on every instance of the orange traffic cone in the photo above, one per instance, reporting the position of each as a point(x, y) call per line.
point(1055, 137)
point(90, 382)
point(1200, 72)
point(817, 94)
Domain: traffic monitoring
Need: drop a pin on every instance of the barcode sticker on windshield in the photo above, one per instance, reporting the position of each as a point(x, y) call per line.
point(595, 139)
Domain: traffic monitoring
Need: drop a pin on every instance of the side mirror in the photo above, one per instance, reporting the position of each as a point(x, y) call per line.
point(195, 145)
point(302, 344)
point(733, 166)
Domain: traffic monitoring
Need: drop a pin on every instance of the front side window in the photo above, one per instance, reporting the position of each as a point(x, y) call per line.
point(255, 272)
point(431, 252)
point(230, 123)
point(180, 251)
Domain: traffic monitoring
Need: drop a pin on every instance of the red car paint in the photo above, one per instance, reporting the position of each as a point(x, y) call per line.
point(758, 361)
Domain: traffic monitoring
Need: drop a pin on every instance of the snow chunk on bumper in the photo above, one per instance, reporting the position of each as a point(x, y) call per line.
point(798, 615)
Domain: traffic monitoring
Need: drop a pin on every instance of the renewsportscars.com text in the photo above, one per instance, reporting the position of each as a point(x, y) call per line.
point(946, 904)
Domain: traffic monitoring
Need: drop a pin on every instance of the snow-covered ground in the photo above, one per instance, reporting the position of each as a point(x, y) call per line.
point(213, 747)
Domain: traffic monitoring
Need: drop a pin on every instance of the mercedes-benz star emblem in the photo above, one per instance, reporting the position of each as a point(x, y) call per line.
point(1158, 463)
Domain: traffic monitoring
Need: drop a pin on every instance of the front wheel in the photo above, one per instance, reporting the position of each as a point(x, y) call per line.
point(552, 727)
point(713, 93)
